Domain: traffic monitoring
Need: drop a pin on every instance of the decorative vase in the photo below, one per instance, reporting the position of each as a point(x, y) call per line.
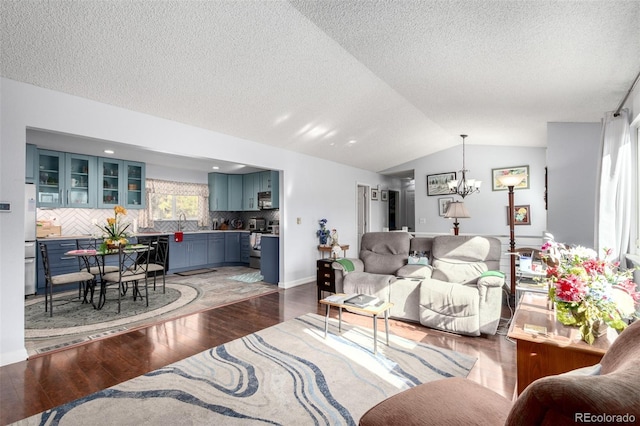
point(323, 239)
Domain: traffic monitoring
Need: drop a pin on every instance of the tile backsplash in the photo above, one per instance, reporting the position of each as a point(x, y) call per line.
point(81, 221)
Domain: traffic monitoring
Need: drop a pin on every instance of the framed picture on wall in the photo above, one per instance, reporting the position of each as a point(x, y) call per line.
point(384, 195)
point(518, 170)
point(439, 184)
point(443, 205)
point(521, 215)
point(375, 194)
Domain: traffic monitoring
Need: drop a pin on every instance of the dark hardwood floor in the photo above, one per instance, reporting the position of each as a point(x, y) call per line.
point(46, 381)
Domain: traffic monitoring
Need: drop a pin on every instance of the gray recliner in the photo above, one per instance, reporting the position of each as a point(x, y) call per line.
point(464, 293)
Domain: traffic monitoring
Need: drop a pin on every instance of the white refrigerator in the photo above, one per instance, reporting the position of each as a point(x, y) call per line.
point(30, 243)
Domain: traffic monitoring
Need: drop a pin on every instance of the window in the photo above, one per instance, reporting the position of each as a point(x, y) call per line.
point(166, 200)
point(169, 207)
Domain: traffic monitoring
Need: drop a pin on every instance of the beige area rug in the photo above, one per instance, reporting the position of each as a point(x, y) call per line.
point(74, 323)
point(288, 374)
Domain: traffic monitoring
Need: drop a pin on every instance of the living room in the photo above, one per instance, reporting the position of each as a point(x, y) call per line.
point(318, 186)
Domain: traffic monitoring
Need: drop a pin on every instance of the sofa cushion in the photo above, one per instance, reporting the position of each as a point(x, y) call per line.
point(372, 284)
point(384, 252)
point(414, 271)
point(450, 306)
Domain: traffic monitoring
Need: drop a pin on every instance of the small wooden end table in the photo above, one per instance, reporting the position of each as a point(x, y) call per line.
point(337, 301)
point(560, 350)
point(327, 249)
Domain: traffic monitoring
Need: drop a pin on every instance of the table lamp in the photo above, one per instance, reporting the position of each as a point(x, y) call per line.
point(456, 210)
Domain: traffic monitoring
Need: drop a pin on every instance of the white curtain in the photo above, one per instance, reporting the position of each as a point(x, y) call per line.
point(157, 186)
point(614, 197)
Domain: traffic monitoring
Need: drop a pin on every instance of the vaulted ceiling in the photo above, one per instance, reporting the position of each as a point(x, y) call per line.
point(371, 84)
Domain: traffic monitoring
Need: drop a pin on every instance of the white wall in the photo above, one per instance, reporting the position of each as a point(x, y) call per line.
point(488, 209)
point(312, 188)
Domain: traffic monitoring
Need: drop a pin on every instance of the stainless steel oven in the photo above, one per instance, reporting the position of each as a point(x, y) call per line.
point(254, 250)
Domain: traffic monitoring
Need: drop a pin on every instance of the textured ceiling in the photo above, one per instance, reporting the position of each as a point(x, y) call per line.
point(400, 78)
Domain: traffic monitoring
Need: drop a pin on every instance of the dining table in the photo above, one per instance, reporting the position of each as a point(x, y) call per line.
point(100, 254)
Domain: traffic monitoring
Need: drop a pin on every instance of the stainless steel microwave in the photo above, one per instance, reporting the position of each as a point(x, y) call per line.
point(264, 200)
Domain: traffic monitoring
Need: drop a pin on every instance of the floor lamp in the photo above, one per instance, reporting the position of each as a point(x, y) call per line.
point(456, 210)
point(511, 181)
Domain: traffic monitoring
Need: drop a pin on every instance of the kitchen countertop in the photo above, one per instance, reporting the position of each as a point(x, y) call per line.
point(144, 234)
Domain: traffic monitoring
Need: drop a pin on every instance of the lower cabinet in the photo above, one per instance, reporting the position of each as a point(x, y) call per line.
point(216, 249)
point(245, 248)
point(208, 249)
point(190, 253)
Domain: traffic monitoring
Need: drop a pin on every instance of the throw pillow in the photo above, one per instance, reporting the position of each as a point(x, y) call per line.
point(418, 258)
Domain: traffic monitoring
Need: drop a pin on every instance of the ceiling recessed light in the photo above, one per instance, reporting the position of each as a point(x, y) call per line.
point(109, 151)
point(352, 141)
point(216, 168)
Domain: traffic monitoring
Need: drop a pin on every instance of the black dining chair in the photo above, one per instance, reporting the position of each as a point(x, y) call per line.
point(84, 278)
point(130, 271)
point(95, 265)
point(158, 260)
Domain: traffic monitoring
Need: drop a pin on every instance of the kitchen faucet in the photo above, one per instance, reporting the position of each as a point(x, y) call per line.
point(180, 217)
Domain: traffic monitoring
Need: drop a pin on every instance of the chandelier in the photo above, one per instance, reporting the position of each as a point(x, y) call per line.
point(464, 187)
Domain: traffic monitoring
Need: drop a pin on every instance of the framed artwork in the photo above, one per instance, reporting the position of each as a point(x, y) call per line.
point(518, 170)
point(521, 215)
point(375, 194)
point(384, 195)
point(443, 205)
point(438, 184)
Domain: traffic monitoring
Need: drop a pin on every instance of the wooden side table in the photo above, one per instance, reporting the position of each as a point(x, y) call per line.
point(560, 350)
point(327, 249)
point(325, 277)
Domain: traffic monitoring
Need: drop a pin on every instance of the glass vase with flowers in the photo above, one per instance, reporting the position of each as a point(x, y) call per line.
point(589, 292)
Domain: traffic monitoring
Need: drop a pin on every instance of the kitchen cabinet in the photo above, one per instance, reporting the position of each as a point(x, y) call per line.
point(216, 249)
point(218, 192)
point(234, 193)
point(270, 259)
point(31, 164)
point(250, 187)
point(66, 180)
point(270, 181)
point(121, 182)
point(245, 248)
point(190, 253)
point(232, 247)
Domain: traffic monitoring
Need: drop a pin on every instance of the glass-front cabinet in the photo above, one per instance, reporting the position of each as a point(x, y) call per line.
point(66, 180)
point(121, 183)
point(135, 182)
point(109, 182)
point(80, 180)
point(50, 178)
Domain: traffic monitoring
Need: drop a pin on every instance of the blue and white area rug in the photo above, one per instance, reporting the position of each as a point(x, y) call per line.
point(288, 374)
point(251, 277)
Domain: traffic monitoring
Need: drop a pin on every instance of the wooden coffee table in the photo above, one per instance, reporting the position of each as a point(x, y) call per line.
point(374, 311)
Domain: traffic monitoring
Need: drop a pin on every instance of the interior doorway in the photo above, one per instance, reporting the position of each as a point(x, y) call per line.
point(394, 212)
point(410, 209)
point(362, 213)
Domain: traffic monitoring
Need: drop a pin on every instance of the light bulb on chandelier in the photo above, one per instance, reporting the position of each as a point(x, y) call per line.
point(464, 186)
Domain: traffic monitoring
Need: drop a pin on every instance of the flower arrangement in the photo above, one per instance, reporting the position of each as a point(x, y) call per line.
point(323, 233)
point(114, 232)
point(588, 291)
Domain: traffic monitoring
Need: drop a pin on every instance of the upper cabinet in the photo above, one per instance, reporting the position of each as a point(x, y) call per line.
point(235, 193)
point(270, 181)
point(250, 187)
point(66, 180)
point(218, 192)
point(121, 182)
point(31, 164)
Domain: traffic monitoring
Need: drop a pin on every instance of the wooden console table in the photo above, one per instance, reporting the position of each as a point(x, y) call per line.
point(559, 351)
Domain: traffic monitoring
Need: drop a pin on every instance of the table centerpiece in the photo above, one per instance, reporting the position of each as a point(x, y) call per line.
point(587, 291)
point(114, 232)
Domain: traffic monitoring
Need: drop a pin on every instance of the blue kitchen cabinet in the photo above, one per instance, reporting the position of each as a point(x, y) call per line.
point(190, 253)
point(245, 248)
point(216, 244)
point(122, 183)
point(66, 180)
point(234, 192)
point(31, 164)
point(218, 192)
point(250, 187)
point(133, 189)
point(270, 181)
point(232, 247)
point(270, 259)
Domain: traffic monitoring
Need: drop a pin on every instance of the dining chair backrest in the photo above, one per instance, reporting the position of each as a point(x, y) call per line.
point(134, 260)
point(161, 250)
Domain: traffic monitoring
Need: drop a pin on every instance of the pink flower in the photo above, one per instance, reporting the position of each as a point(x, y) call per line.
point(570, 288)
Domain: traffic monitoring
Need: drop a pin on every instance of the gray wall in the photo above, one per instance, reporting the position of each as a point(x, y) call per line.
point(572, 161)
